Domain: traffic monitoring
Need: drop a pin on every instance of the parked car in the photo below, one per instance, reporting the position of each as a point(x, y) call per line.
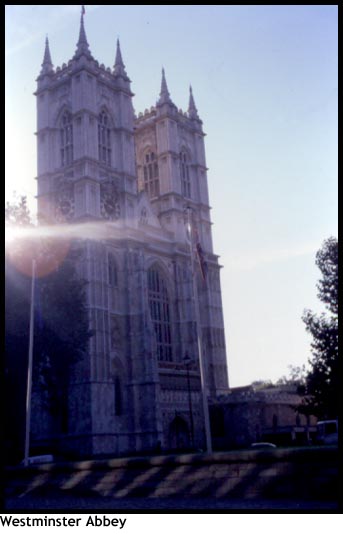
point(263, 445)
point(42, 459)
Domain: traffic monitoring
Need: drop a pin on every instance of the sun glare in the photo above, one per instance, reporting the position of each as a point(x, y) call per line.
point(23, 244)
point(12, 233)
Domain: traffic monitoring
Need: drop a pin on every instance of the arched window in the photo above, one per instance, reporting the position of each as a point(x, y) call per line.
point(150, 170)
point(160, 313)
point(104, 138)
point(184, 172)
point(67, 149)
point(112, 270)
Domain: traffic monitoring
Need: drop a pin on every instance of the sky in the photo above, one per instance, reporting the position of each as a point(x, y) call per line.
point(265, 84)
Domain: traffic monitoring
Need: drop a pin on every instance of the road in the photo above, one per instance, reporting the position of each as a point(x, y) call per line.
point(71, 502)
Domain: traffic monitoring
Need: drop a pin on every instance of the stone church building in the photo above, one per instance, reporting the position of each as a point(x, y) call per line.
point(141, 183)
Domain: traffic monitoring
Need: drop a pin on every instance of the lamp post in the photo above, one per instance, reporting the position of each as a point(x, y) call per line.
point(29, 369)
point(199, 337)
point(187, 361)
point(13, 235)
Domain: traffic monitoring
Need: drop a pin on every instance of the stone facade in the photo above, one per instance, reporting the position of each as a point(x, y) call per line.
point(123, 184)
point(248, 414)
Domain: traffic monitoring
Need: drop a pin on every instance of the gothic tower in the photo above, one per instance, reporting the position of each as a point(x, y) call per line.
point(123, 183)
point(171, 168)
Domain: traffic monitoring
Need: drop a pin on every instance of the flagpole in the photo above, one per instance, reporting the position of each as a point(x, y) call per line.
point(199, 338)
point(29, 370)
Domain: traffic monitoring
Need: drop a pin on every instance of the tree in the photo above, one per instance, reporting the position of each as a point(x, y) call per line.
point(322, 381)
point(61, 327)
point(296, 378)
point(17, 212)
point(262, 384)
point(61, 333)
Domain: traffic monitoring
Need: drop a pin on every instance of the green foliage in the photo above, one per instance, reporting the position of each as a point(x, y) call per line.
point(327, 261)
point(61, 331)
point(17, 309)
point(17, 212)
point(61, 323)
point(262, 384)
point(297, 378)
point(322, 380)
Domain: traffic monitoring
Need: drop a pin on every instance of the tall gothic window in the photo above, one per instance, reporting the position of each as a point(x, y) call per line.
point(160, 314)
point(184, 171)
point(151, 181)
point(67, 149)
point(112, 270)
point(104, 138)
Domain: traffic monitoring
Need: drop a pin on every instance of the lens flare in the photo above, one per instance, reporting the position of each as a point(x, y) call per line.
point(50, 244)
point(25, 244)
point(12, 233)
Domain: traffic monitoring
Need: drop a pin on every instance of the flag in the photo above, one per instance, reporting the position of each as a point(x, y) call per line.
point(194, 242)
point(201, 260)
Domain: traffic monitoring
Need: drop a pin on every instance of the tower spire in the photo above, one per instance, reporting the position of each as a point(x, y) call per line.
point(192, 110)
point(82, 46)
point(164, 94)
point(47, 65)
point(119, 67)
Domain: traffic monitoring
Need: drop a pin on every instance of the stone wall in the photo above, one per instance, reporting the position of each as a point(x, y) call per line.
point(248, 415)
point(298, 473)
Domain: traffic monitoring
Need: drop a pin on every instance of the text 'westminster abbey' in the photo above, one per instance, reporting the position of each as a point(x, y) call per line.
point(139, 386)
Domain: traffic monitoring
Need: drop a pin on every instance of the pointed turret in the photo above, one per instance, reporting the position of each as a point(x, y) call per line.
point(82, 46)
point(119, 67)
point(192, 110)
point(47, 65)
point(164, 94)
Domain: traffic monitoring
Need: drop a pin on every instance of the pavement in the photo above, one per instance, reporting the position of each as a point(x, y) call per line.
point(38, 503)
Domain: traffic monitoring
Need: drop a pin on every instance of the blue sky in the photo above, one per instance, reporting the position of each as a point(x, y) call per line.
point(265, 83)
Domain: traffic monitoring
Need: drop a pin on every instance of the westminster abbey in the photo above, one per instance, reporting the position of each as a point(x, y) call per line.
point(140, 385)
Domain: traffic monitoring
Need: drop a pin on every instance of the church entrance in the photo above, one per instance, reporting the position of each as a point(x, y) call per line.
point(179, 433)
